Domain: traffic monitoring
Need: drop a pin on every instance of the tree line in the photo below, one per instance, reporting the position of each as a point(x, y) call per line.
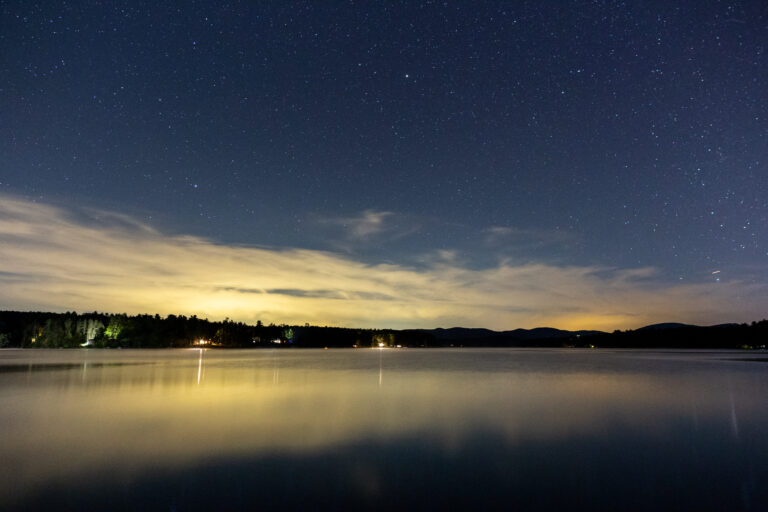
point(102, 330)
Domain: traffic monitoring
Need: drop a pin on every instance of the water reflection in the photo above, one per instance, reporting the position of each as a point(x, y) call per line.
point(67, 417)
point(200, 367)
point(275, 367)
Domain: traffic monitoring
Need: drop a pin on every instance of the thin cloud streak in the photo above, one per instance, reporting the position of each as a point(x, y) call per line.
point(370, 225)
point(51, 259)
point(361, 227)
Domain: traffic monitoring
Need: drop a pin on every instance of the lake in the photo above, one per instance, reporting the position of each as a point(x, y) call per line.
point(383, 429)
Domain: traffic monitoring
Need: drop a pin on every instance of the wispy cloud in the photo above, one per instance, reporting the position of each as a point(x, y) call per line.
point(495, 233)
point(51, 259)
point(370, 224)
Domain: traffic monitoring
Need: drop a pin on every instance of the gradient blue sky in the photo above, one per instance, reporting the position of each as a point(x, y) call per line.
point(577, 164)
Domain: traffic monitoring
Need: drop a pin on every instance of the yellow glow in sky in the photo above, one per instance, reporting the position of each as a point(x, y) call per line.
point(49, 260)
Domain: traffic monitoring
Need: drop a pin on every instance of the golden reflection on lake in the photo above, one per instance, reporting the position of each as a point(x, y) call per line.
point(74, 415)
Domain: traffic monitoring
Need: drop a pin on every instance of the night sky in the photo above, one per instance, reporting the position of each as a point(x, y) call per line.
point(390, 164)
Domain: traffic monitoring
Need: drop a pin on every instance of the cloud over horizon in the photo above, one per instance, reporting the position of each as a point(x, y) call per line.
point(57, 259)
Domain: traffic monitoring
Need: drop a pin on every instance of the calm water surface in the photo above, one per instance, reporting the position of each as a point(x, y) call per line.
point(381, 429)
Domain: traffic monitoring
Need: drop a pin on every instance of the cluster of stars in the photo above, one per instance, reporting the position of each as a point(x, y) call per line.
point(638, 129)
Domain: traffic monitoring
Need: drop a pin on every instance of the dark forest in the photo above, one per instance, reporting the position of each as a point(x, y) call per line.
point(101, 330)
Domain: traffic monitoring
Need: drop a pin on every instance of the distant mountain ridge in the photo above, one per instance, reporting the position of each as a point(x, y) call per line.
point(487, 337)
point(529, 334)
point(661, 335)
point(541, 333)
point(667, 325)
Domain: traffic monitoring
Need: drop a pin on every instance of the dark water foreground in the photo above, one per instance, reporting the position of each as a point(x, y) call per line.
point(453, 429)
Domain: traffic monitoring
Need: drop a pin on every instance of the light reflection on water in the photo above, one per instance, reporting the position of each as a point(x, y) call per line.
point(382, 428)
